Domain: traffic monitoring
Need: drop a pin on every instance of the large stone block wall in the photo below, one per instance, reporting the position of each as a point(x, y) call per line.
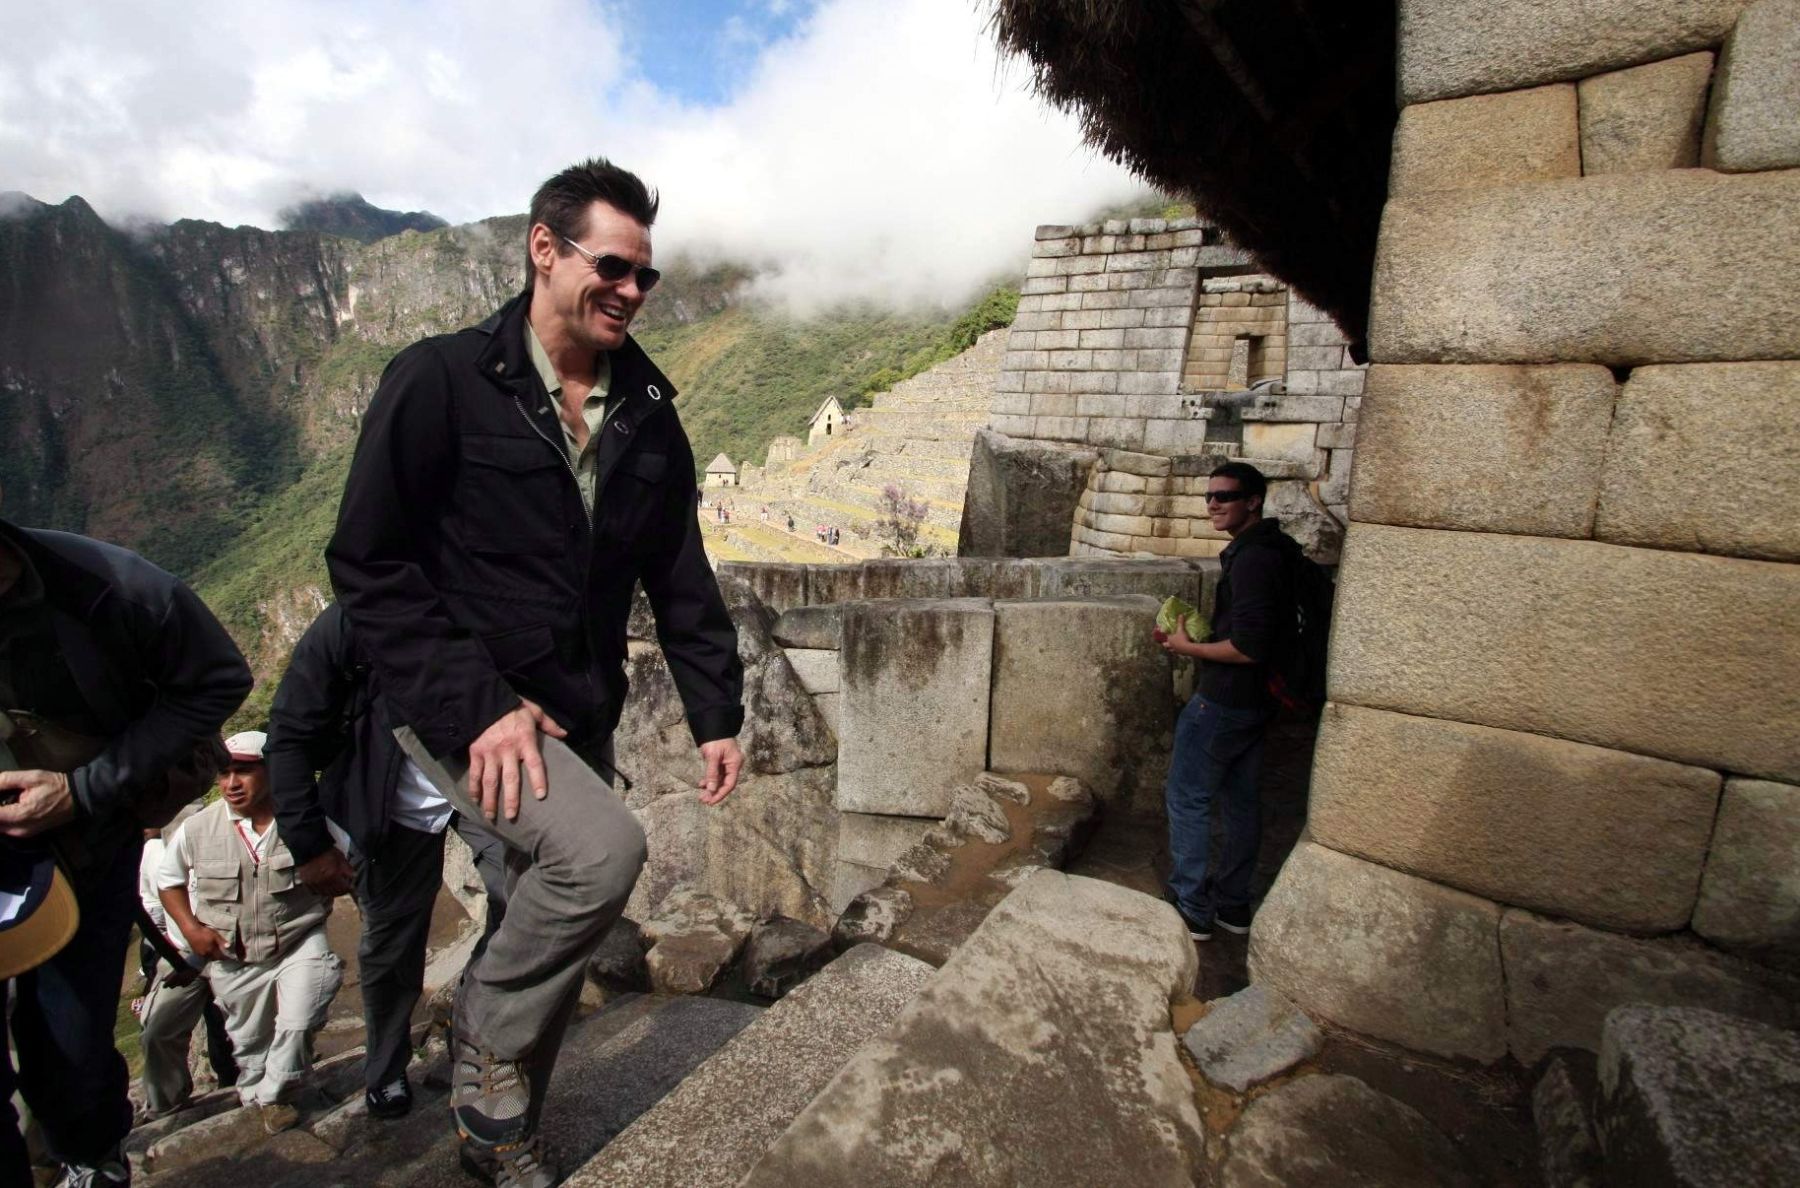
point(1564, 745)
point(1142, 340)
point(932, 671)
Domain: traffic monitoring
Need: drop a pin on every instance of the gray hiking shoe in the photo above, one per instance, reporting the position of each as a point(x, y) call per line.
point(110, 1172)
point(490, 1098)
point(523, 1166)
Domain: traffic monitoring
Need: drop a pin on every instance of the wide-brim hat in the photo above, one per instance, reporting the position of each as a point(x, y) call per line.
point(38, 914)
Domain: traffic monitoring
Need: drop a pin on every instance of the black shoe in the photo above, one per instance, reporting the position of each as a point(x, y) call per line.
point(1196, 930)
point(1235, 919)
point(392, 1100)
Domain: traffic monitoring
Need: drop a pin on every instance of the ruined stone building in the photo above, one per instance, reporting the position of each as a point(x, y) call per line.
point(1561, 767)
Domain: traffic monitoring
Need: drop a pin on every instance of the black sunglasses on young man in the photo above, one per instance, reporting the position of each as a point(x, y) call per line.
point(1225, 496)
point(616, 268)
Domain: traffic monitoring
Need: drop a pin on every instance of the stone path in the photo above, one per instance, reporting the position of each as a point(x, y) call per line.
point(616, 1063)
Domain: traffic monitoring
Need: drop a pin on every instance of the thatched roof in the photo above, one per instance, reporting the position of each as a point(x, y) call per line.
point(1275, 116)
point(721, 465)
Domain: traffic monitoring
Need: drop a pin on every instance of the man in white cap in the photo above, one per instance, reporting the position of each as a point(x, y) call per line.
point(260, 931)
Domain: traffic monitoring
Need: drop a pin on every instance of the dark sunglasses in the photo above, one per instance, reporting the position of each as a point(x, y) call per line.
point(617, 268)
point(1226, 496)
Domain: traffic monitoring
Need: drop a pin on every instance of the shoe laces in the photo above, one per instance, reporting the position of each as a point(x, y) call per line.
point(519, 1166)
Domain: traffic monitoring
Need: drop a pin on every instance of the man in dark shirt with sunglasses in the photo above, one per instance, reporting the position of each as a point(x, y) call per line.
point(512, 486)
point(1219, 736)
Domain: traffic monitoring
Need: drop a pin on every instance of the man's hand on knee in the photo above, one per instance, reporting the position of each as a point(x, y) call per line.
point(503, 748)
point(723, 762)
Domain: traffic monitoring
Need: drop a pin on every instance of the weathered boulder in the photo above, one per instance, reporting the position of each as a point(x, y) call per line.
point(725, 1114)
point(1648, 117)
point(1448, 446)
point(1251, 1037)
point(1447, 47)
point(873, 916)
point(1751, 123)
point(982, 1076)
point(1729, 426)
point(1562, 979)
point(693, 936)
point(1619, 269)
point(1750, 894)
point(912, 670)
point(1539, 635)
point(1698, 1099)
point(1486, 140)
point(1336, 1132)
point(1383, 953)
point(771, 845)
point(809, 627)
point(1081, 689)
point(781, 953)
point(975, 813)
point(1602, 836)
point(1562, 1109)
point(1021, 497)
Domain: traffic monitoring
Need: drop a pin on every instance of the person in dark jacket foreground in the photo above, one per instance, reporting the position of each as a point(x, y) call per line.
point(1219, 736)
point(329, 718)
point(112, 673)
point(512, 485)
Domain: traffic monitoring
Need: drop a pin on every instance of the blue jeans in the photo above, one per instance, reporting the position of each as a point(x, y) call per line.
point(1218, 754)
point(63, 1061)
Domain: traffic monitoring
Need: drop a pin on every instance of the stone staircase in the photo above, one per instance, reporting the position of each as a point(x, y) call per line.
point(917, 437)
point(615, 1064)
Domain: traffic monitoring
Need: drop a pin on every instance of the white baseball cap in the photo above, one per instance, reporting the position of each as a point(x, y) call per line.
point(247, 744)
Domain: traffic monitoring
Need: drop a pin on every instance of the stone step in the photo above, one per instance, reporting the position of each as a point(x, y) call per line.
point(1042, 1053)
point(722, 1117)
point(614, 1065)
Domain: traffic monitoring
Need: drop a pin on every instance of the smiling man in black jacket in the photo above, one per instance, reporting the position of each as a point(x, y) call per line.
point(512, 485)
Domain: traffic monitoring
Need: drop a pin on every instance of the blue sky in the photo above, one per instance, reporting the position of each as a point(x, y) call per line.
point(702, 50)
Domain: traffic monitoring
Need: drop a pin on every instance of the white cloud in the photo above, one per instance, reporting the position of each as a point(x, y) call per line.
point(880, 151)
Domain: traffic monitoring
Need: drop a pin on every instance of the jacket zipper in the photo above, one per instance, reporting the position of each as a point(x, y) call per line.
point(562, 453)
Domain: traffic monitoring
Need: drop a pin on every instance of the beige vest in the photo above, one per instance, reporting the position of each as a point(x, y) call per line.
point(258, 907)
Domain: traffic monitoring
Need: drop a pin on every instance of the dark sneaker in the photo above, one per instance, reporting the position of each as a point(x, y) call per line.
point(1234, 919)
point(1197, 930)
point(521, 1166)
point(490, 1099)
point(392, 1100)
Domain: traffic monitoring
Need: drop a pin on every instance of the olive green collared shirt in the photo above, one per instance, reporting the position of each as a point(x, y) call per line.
point(594, 410)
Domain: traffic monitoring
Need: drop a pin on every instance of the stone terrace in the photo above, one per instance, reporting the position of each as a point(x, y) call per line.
point(918, 437)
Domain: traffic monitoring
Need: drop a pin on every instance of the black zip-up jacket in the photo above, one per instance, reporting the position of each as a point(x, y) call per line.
point(468, 565)
point(1252, 608)
point(331, 750)
point(156, 670)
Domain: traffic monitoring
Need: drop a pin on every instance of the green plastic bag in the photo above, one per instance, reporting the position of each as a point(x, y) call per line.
point(1171, 614)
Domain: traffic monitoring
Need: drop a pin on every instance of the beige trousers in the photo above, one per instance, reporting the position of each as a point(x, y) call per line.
point(272, 1008)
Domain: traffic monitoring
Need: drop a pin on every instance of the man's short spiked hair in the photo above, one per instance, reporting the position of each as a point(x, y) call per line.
point(561, 203)
point(1249, 479)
